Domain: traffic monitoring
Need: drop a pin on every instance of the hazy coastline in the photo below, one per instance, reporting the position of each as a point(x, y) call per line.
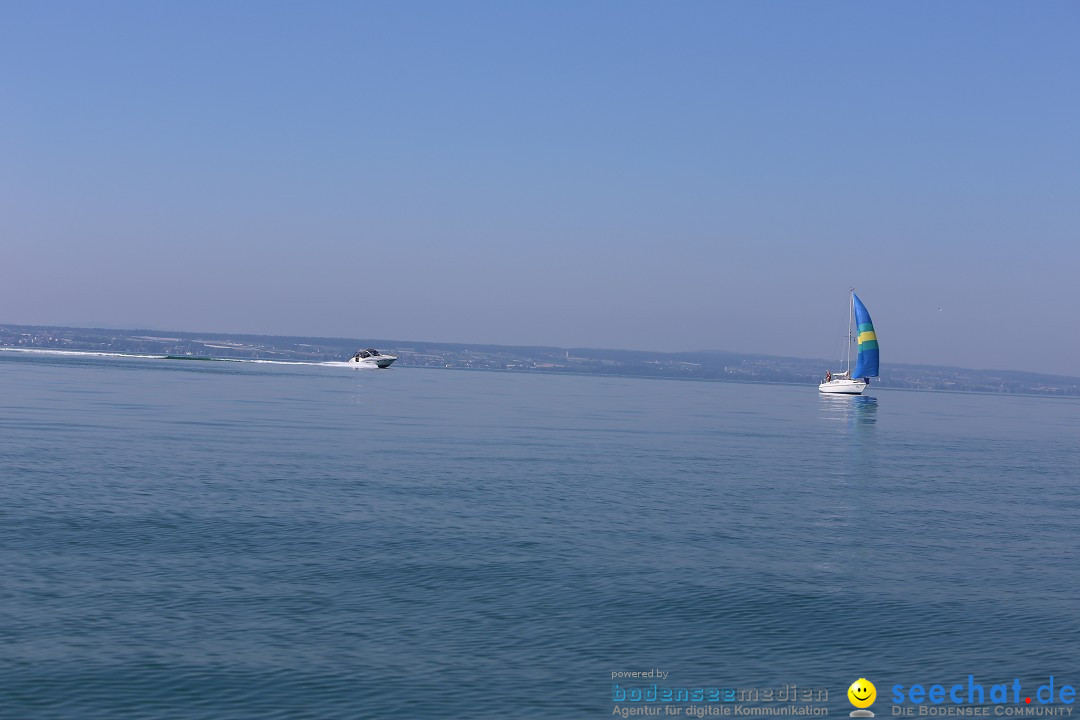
point(699, 365)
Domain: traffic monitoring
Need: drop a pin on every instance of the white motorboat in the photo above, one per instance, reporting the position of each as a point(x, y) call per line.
point(371, 357)
point(853, 382)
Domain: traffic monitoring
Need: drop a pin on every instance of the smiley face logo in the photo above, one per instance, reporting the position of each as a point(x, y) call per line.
point(862, 693)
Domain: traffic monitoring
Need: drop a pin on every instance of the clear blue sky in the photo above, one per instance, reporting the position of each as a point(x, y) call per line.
point(669, 175)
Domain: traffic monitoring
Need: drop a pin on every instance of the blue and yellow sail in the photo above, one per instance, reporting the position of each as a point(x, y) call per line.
point(866, 364)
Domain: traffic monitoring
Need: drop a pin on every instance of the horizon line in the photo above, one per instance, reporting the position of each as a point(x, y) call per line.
point(548, 347)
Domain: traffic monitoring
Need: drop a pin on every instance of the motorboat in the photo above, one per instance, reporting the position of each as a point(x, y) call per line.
point(371, 357)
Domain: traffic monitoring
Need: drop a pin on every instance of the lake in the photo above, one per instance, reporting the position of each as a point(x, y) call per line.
point(187, 539)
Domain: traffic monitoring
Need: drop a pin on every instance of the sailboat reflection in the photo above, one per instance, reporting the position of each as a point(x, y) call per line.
point(849, 409)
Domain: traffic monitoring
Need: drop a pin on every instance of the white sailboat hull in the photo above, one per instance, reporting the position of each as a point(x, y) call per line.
point(843, 386)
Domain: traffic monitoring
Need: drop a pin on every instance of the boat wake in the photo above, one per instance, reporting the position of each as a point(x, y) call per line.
point(185, 358)
point(354, 366)
point(84, 353)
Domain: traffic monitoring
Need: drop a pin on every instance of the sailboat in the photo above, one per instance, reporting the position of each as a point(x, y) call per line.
point(853, 382)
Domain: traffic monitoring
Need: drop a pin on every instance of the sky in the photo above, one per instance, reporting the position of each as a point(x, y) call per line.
point(633, 175)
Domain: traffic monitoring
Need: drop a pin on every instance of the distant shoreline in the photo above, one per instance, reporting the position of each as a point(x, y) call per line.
point(703, 365)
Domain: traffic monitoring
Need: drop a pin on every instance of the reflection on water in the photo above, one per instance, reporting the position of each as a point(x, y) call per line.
point(865, 410)
point(853, 410)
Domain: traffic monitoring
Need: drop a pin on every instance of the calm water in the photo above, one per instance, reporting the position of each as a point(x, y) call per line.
point(227, 540)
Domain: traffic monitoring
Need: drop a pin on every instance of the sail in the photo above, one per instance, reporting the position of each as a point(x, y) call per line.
point(866, 364)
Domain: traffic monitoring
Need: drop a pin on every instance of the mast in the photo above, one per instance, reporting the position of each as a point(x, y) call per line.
point(850, 315)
